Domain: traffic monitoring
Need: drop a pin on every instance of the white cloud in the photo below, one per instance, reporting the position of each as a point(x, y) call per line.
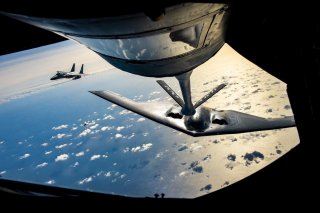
point(63, 126)
point(3, 172)
point(119, 128)
point(146, 147)
point(154, 93)
point(131, 136)
point(48, 152)
point(111, 107)
point(126, 150)
point(86, 180)
point(197, 148)
point(59, 136)
point(141, 119)
point(51, 182)
point(95, 157)
point(136, 98)
point(89, 123)
point(42, 165)
point(124, 112)
point(108, 174)
point(94, 126)
point(61, 146)
point(62, 157)
point(154, 100)
point(135, 149)
point(142, 148)
point(44, 144)
point(80, 154)
point(75, 164)
point(84, 132)
point(122, 176)
point(159, 155)
point(145, 134)
point(182, 173)
point(118, 135)
point(108, 117)
point(106, 128)
point(24, 156)
point(1, 142)
point(74, 128)
point(104, 156)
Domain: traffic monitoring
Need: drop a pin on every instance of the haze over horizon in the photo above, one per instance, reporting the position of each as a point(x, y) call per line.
point(64, 136)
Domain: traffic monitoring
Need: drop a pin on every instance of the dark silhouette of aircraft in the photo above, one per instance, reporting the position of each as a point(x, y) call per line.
point(71, 74)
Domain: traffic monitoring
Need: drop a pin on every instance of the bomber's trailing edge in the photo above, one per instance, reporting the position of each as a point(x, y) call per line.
point(204, 122)
point(162, 42)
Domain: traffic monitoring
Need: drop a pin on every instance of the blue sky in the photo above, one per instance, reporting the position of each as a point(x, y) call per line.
point(63, 135)
point(30, 70)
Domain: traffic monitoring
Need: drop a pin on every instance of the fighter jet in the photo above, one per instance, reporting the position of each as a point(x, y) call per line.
point(71, 74)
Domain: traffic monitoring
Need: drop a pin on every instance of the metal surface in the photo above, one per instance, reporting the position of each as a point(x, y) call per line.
point(70, 74)
point(204, 122)
point(147, 47)
point(185, 86)
point(170, 92)
point(122, 25)
point(186, 36)
point(209, 95)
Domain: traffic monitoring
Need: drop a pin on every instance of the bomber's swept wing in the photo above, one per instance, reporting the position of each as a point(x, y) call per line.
point(206, 121)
